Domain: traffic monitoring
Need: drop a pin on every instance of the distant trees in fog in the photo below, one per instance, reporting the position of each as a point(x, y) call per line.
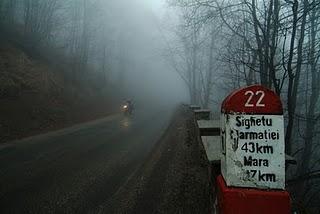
point(192, 54)
point(78, 35)
point(275, 43)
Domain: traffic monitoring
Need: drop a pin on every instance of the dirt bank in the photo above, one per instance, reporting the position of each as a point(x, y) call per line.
point(36, 97)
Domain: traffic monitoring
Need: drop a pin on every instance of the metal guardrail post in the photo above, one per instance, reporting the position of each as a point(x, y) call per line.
point(194, 107)
point(202, 114)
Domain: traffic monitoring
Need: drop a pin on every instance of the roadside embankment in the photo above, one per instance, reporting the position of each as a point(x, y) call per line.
point(36, 97)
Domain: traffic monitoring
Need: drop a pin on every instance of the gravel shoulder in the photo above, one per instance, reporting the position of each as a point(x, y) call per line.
point(173, 179)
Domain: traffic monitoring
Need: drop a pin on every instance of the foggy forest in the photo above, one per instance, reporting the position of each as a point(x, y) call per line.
point(66, 62)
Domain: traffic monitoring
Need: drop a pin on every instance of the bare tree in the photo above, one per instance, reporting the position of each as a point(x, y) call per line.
point(307, 165)
point(39, 20)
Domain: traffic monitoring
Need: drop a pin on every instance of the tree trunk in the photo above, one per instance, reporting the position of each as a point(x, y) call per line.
point(304, 166)
point(263, 74)
point(291, 77)
point(208, 86)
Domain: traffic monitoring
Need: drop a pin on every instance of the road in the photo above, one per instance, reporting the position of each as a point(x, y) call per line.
point(78, 169)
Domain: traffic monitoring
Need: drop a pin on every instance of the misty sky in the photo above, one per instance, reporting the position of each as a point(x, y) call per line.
point(149, 74)
point(156, 5)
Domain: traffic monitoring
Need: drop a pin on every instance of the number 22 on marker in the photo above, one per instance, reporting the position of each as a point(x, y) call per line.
point(250, 95)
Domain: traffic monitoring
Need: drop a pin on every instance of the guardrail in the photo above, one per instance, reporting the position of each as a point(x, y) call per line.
point(209, 135)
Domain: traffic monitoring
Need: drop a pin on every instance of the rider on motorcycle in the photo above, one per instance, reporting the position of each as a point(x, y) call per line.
point(128, 107)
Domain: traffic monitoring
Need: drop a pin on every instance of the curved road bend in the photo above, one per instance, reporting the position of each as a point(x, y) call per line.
point(77, 169)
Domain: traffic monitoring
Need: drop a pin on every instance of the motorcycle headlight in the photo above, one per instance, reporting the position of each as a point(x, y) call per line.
point(125, 106)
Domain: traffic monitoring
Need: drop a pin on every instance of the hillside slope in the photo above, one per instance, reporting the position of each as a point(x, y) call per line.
point(35, 97)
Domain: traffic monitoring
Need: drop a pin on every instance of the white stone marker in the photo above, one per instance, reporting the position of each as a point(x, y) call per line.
point(253, 139)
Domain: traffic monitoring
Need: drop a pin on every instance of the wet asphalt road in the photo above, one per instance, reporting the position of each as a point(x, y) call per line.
point(78, 169)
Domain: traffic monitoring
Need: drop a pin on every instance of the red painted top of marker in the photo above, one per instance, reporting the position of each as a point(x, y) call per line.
point(255, 99)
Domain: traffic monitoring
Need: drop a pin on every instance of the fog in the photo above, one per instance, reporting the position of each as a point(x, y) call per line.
point(147, 73)
point(164, 52)
point(120, 41)
point(138, 43)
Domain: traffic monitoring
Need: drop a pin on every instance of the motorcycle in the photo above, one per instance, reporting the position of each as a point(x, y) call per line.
point(127, 110)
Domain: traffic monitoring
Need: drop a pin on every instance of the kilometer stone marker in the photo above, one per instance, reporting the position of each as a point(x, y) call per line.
point(253, 139)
